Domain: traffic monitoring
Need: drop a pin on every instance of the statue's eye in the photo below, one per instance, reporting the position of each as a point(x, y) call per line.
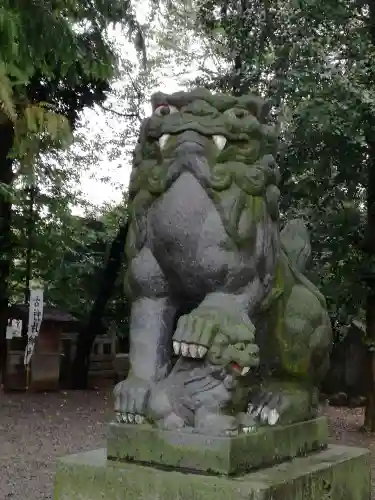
point(240, 112)
point(165, 109)
point(237, 112)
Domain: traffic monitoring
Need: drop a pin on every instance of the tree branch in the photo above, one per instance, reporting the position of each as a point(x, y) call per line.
point(119, 113)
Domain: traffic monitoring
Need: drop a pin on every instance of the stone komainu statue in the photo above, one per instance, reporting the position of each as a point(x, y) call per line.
point(226, 333)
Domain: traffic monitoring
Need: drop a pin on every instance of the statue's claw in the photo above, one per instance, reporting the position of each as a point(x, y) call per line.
point(189, 350)
point(194, 335)
point(131, 398)
point(129, 418)
point(139, 419)
point(246, 423)
point(231, 433)
point(228, 425)
point(249, 430)
point(280, 406)
point(120, 417)
point(264, 414)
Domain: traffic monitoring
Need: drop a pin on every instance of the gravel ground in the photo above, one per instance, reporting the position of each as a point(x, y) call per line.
point(36, 429)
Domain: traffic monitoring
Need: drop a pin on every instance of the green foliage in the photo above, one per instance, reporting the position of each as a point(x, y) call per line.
point(68, 252)
point(313, 61)
point(50, 69)
point(45, 65)
point(62, 33)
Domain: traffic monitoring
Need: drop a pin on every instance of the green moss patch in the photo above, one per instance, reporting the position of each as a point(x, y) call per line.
point(215, 455)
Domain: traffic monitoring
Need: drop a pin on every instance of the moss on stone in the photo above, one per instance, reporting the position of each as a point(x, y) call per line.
point(218, 455)
point(337, 473)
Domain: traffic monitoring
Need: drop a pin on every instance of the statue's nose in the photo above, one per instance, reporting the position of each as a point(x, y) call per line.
point(192, 137)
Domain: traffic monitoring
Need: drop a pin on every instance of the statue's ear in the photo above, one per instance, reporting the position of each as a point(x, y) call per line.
point(143, 131)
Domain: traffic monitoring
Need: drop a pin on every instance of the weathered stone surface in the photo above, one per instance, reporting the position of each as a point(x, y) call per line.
point(337, 473)
point(211, 277)
point(218, 455)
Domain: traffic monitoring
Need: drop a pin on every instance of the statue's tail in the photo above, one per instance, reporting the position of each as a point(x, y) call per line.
point(295, 242)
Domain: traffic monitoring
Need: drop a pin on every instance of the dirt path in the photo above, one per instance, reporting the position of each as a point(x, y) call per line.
point(36, 429)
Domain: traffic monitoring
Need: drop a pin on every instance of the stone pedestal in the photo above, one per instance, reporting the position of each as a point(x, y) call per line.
point(183, 466)
point(215, 455)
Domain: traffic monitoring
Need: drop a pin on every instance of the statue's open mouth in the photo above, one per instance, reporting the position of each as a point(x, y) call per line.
point(219, 141)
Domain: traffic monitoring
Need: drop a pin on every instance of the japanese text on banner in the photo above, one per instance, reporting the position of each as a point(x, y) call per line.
point(35, 321)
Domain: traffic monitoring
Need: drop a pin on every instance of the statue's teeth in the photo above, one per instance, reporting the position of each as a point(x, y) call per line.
point(219, 141)
point(245, 370)
point(176, 347)
point(163, 140)
point(202, 351)
point(193, 350)
point(184, 349)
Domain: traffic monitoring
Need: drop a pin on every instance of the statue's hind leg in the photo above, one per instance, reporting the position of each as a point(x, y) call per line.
point(303, 336)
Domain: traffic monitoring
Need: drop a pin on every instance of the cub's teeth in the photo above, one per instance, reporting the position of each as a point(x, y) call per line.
point(219, 141)
point(193, 350)
point(163, 140)
point(184, 349)
point(176, 347)
point(202, 351)
point(245, 370)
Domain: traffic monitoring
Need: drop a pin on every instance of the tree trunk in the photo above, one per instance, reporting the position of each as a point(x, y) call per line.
point(30, 226)
point(370, 283)
point(6, 178)
point(369, 422)
point(87, 335)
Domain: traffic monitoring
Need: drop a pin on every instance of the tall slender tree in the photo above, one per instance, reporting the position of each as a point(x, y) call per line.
point(49, 70)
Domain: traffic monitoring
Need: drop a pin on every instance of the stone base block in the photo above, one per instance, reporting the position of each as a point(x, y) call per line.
point(336, 473)
point(215, 455)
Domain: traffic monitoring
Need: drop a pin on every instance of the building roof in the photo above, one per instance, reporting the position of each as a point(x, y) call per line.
point(50, 313)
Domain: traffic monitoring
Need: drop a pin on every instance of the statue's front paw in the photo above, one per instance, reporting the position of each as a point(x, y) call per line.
point(131, 398)
point(226, 340)
point(194, 334)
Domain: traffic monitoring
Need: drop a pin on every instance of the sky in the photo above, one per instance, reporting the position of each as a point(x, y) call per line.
point(94, 190)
